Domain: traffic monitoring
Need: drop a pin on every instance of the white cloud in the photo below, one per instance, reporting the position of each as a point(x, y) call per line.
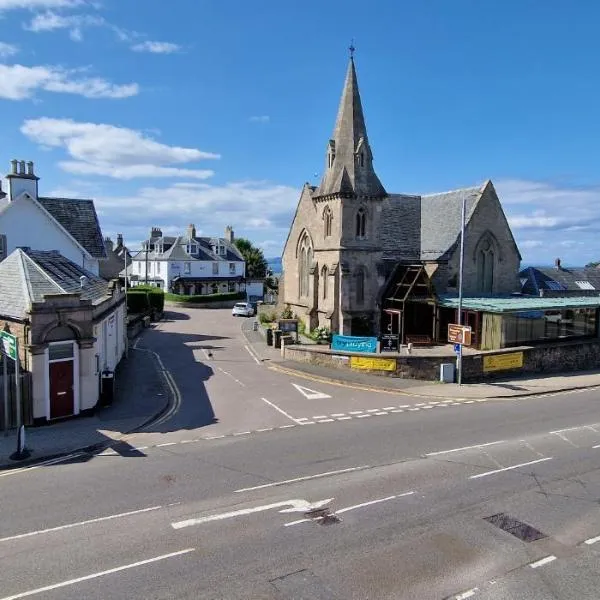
point(51, 21)
point(530, 244)
point(117, 152)
point(6, 5)
point(156, 47)
point(19, 82)
point(7, 49)
point(260, 119)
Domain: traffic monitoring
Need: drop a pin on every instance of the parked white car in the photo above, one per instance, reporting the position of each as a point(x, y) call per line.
point(243, 309)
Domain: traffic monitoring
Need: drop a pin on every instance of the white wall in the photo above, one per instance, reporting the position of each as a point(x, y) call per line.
point(25, 224)
point(110, 341)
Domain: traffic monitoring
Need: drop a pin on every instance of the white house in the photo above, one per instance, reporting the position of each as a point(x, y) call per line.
point(189, 264)
point(67, 225)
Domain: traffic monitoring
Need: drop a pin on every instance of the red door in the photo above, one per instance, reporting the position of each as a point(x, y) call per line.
point(61, 389)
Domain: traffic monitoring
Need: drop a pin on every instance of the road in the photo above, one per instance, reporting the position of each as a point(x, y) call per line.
point(257, 488)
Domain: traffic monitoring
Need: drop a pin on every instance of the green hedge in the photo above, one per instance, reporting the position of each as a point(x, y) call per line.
point(144, 298)
point(205, 297)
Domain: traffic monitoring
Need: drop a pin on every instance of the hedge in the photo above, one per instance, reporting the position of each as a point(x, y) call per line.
point(137, 301)
point(141, 299)
point(202, 298)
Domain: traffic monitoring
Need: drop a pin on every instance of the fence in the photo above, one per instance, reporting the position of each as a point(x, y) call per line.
point(27, 396)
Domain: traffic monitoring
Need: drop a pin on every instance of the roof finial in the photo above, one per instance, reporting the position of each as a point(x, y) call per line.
point(352, 49)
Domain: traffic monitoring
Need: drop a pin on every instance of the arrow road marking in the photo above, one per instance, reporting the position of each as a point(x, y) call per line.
point(297, 505)
point(311, 394)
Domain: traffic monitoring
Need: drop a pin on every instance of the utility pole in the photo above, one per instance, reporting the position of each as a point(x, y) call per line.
point(147, 244)
point(460, 285)
point(126, 341)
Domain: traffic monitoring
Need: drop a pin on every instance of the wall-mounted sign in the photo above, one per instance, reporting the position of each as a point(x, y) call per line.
point(501, 362)
point(389, 342)
point(459, 334)
point(373, 364)
point(352, 343)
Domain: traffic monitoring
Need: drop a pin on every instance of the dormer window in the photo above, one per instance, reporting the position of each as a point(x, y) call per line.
point(192, 248)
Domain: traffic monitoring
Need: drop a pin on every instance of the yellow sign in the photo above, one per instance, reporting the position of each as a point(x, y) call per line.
point(375, 364)
point(500, 362)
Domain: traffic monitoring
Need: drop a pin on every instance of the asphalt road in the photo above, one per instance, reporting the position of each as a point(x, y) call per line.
point(234, 497)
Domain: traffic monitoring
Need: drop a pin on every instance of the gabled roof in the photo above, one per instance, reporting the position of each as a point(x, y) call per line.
point(27, 275)
point(440, 220)
point(553, 279)
point(178, 251)
point(79, 218)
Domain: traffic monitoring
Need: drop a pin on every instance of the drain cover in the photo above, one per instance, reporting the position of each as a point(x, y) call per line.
point(521, 530)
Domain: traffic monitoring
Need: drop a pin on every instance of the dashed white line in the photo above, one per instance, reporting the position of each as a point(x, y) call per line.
point(413, 409)
point(363, 416)
point(319, 416)
point(476, 446)
point(214, 437)
point(344, 418)
point(593, 540)
point(265, 429)
point(388, 408)
point(242, 433)
point(305, 478)
point(398, 410)
point(379, 414)
point(166, 444)
point(469, 401)
point(531, 462)
point(284, 427)
point(280, 410)
point(251, 353)
point(468, 594)
point(338, 415)
point(373, 410)
point(542, 561)
point(326, 421)
point(355, 412)
point(404, 406)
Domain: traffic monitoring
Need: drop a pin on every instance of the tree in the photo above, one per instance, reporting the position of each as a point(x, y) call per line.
point(256, 264)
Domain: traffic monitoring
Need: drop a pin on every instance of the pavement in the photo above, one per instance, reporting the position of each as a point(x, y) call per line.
point(141, 395)
point(502, 388)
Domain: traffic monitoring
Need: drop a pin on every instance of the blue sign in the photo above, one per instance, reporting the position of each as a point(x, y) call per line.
point(457, 348)
point(351, 343)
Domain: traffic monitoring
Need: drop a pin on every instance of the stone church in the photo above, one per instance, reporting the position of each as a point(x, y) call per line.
point(360, 260)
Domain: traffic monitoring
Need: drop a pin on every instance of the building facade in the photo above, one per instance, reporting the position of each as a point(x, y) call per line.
point(189, 264)
point(67, 225)
point(356, 256)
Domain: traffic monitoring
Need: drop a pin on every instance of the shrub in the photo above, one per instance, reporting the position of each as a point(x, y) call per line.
point(205, 298)
point(287, 313)
point(267, 317)
point(137, 301)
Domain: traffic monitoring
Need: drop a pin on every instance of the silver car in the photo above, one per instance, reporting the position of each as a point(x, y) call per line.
point(243, 309)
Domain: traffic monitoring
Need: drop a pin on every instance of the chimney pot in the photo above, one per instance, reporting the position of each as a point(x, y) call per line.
point(13, 166)
point(30, 167)
point(22, 167)
point(119, 239)
point(557, 263)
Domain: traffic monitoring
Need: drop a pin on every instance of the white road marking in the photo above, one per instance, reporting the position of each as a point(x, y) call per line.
point(404, 406)
point(165, 444)
point(79, 524)
point(420, 404)
point(305, 478)
point(326, 421)
point(564, 438)
point(186, 441)
point(286, 426)
point(280, 410)
point(232, 377)
point(398, 410)
point(143, 447)
point(593, 540)
point(476, 446)
point(414, 409)
point(338, 415)
point(308, 423)
point(531, 462)
point(363, 416)
point(62, 584)
point(311, 394)
point(349, 508)
point(426, 407)
point(319, 416)
point(597, 446)
point(344, 418)
point(389, 408)
point(542, 561)
point(468, 594)
point(295, 505)
point(242, 433)
point(373, 410)
point(214, 437)
point(302, 418)
point(45, 463)
point(265, 429)
point(379, 414)
point(469, 401)
point(252, 354)
point(355, 412)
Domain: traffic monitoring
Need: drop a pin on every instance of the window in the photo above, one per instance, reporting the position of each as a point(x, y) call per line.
point(360, 285)
point(553, 285)
point(485, 258)
point(192, 248)
point(361, 160)
point(584, 285)
point(327, 219)
point(232, 268)
point(215, 268)
point(325, 279)
point(158, 266)
point(60, 351)
point(187, 267)
point(361, 223)
point(232, 286)
point(305, 257)
point(331, 154)
point(3, 247)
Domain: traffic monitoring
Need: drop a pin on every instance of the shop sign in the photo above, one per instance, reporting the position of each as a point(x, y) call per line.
point(352, 343)
point(459, 334)
point(389, 342)
point(373, 364)
point(501, 362)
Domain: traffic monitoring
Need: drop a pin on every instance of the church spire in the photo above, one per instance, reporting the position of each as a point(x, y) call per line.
point(349, 165)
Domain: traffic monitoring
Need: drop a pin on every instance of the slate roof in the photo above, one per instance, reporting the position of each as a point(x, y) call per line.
point(440, 220)
point(540, 280)
point(27, 275)
point(79, 218)
point(177, 250)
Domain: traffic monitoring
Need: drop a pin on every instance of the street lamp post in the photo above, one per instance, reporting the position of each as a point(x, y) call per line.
point(460, 285)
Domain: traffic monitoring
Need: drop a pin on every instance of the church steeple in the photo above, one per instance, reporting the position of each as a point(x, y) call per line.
point(349, 163)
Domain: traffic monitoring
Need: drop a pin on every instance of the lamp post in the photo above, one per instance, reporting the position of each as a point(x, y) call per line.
point(460, 284)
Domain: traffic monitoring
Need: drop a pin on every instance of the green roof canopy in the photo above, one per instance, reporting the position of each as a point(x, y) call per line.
point(505, 304)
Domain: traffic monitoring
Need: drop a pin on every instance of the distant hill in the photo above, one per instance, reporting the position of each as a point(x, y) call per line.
point(275, 265)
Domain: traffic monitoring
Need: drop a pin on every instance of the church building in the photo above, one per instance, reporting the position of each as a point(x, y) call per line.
point(360, 260)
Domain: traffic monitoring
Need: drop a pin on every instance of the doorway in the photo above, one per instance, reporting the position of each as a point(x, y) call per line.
point(61, 376)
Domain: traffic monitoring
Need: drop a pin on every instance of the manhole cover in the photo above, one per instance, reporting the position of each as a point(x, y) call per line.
point(521, 530)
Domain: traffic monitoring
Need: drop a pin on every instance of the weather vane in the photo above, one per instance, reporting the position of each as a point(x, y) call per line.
point(352, 48)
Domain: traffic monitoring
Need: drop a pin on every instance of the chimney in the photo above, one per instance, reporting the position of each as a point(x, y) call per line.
point(13, 166)
point(229, 236)
point(22, 179)
point(155, 232)
point(30, 167)
point(21, 167)
point(83, 280)
point(191, 231)
point(108, 243)
point(119, 240)
point(557, 263)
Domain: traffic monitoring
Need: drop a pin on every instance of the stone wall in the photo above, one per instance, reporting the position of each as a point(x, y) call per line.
point(552, 358)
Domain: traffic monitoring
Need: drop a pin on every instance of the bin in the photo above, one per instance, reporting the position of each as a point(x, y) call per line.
point(447, 372)
point(269, 337)
point(278, 334)
point(107, 388)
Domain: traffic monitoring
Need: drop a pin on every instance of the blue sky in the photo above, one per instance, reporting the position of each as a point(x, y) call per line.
point(216, 112)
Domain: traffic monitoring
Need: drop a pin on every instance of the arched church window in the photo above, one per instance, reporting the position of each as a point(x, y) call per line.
point(486, 262)
point(325, 281)
point(305, 257)
point(360, 285)
point(327, 221)
point(361, 223)
point(362, 159)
